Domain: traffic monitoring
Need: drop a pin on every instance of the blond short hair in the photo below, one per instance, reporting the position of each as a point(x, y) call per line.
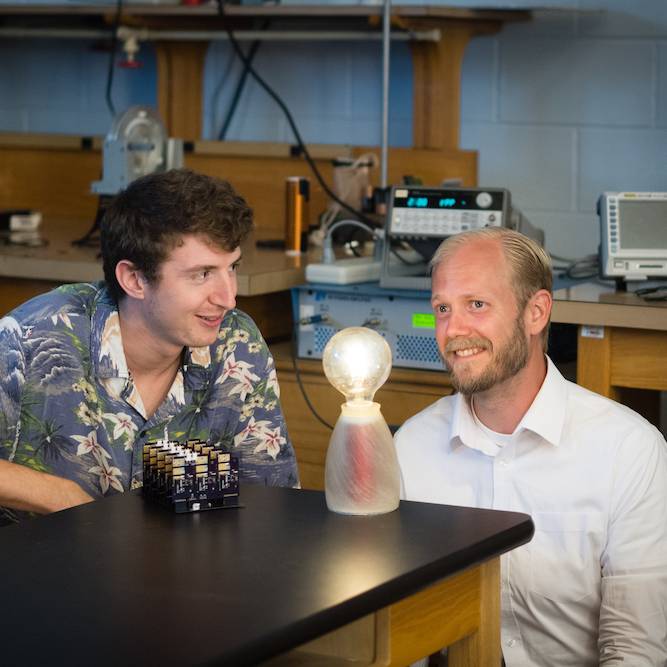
point(528, 262)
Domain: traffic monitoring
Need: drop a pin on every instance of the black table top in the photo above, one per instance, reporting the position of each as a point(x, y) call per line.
point(125, 582)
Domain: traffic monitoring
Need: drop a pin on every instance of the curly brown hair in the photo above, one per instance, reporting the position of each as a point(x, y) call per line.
point(146, 221)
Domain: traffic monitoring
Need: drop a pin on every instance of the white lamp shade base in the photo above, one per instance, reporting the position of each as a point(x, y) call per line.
point(361, 471)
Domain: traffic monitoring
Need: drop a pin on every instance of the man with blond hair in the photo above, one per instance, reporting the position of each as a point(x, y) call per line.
point(591, 586)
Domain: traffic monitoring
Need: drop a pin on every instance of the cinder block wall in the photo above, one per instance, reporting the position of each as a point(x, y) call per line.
point(59, 85)
point(567, 106)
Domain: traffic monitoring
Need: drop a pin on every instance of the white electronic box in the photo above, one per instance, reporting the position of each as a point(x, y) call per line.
point(633, 235)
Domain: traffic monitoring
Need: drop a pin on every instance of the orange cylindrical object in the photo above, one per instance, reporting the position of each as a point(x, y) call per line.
point(296, 214)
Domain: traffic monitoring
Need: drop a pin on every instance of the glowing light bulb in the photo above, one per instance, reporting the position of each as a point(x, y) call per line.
point(357, 361)
point(361, 470)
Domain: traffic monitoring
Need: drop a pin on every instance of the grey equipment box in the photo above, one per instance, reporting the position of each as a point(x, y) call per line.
point(404, 319)
point(420, 218)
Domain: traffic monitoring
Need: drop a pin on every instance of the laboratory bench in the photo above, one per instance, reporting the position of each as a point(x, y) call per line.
point(279, 581)
point(264, 276)
point(621, 343)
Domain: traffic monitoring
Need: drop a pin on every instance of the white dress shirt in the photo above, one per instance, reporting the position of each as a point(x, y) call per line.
point(591, 586)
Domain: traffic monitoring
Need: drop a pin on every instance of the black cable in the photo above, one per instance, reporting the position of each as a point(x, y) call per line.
point(237, 93)
point(578, 269)
point(300, 383)
point(112, 56)
point(402, 259)
point(352, 243)
point(91, 239)
point(239, 88)
point(276, 98)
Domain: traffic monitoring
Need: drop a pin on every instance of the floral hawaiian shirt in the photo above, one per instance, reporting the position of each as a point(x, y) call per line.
point(68, 405)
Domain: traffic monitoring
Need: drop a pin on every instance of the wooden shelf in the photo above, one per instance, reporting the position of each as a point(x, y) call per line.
point(180, 64)
point(267, 10)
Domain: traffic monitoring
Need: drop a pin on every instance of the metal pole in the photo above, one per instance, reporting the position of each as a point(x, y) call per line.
point(386, 43)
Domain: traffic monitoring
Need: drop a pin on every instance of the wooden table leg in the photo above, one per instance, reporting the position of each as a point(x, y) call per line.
point(462, 612)
point(594, 360)
point(439, 616)
point(482, 648)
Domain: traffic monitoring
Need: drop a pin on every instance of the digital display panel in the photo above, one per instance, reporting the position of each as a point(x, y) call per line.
point(461, 199)
point(423, 321)
point(434, 202)
point(642, 224)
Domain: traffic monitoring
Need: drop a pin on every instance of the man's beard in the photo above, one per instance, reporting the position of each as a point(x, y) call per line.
point(506, 363)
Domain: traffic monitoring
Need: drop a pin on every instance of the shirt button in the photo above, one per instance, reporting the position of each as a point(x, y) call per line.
point(503, 463)
point(511, 643)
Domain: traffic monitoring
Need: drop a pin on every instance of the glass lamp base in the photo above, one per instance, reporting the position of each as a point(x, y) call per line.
point(361, 470)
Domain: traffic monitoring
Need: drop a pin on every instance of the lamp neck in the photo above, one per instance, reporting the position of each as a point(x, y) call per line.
point(358, 409)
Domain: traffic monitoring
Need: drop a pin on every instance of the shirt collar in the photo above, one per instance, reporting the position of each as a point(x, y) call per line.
point(545, 417)
point(465, 431)
point(197, 367)
point(106, 343)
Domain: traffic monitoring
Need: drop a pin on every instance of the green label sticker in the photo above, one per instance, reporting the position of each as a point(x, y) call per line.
point(423, 321)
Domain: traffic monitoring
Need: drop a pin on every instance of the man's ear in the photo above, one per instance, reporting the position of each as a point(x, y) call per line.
point(130, 279)
point(538, 312)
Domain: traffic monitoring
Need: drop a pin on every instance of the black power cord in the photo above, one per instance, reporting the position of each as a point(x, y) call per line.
point(577, 269)
point(239, 87)
point(112, 56)
point(297, 373)
point(297, 135)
